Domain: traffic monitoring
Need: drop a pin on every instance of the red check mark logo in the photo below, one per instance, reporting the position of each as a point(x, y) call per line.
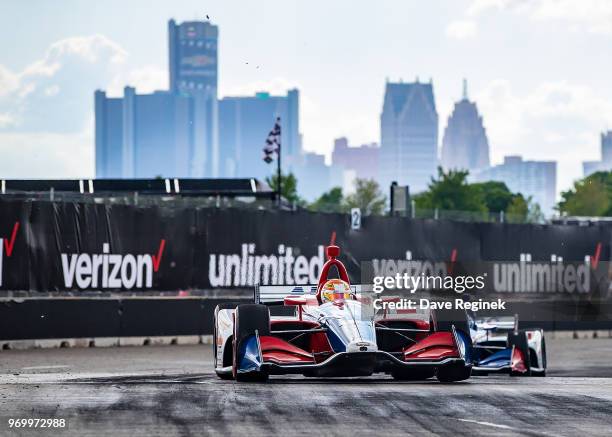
point(10, 243)
point(451, 267)
point(157, 258)
point(595, 258)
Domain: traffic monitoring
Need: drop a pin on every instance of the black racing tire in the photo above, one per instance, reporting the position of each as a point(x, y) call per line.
point(248, 319)
point(412, 374)
point(519, 340)
point(453, 372)
point(221, 306)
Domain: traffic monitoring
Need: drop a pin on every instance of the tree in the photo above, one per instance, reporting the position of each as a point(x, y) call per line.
point(288, 188)
point(367, 197)
point(450, 191)
point(330, 201)
point(589, 196)
point(496, 195)
point(523, 210)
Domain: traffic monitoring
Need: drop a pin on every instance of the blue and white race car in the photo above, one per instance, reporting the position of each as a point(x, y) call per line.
point(500, 347)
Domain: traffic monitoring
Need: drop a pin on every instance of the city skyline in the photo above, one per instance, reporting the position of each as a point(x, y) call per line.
point(540, 107)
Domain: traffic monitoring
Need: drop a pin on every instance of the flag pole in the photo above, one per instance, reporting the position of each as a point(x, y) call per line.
point(278, 166)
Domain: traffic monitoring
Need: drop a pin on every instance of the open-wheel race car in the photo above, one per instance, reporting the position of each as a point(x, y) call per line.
point(501, 347)
point(327, 333)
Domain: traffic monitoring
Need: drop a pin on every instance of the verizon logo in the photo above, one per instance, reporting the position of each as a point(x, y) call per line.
point(110, 270)
point(7, 246)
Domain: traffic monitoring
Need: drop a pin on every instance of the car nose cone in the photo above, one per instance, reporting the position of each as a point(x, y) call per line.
point(361, 346)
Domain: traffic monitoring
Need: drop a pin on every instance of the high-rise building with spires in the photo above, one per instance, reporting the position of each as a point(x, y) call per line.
point(465, 145)
point(409, 135)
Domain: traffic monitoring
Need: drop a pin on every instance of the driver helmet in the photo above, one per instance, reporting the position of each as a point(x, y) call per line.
point(335, 289)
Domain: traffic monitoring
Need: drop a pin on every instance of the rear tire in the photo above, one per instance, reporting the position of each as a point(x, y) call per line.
point(249, 319)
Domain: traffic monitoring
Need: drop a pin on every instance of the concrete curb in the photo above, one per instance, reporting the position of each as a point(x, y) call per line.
point(104, 342)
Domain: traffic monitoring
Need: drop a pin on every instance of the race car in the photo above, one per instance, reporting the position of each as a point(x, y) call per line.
point(500, 347)
point(323, 331)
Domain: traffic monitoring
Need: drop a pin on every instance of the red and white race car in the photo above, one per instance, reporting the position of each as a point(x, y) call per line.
point(330, 330)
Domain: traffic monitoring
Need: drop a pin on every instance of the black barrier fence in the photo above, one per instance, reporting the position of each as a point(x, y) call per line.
point(59, 249)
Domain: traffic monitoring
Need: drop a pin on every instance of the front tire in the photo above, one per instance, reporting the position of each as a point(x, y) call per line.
point(453, 373)
point(249, 319)
point(412, 375)
point(221, 306)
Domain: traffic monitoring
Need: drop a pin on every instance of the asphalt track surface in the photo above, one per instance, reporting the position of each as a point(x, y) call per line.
point(171, 390)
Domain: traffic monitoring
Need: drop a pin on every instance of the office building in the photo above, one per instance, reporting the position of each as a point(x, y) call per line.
point(244, 123)
point(170, 133)
point(149, 135)
point(363, 160)
point(192, 49)
point(409, 135)
point(605, 164)
point(465, 145)
point(530, 178)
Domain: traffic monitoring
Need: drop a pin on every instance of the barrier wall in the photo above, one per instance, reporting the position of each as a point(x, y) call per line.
point(53, 250)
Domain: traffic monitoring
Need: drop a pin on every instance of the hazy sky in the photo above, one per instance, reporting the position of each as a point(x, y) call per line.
point(540, 70)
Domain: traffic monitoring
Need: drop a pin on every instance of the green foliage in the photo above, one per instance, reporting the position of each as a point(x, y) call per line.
point(496, 195)
point(331, 201)
point(450, 191)
point(367, 197)
point(591, 196)
point(523, 210)
point(288, 188)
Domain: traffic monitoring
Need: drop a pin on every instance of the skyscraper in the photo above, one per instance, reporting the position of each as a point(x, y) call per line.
point(193, 63)
point(605, 164)
point(465, 145)
point(171, 133)
point(192, 49)
point(146, 135)
point(363, 160)
point(409, 135)
point(244, 123)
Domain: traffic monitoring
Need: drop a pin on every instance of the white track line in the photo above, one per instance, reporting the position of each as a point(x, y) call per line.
point(499, 426)
point(493, 425)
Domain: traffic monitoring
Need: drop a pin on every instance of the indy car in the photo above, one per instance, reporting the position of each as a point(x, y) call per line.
point(326, 333)
point(500, 347)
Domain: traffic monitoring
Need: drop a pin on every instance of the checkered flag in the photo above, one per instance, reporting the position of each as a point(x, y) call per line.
point(273, 142)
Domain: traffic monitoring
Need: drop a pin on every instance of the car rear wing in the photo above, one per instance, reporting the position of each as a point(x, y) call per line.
point(502, 323)
point(275, 294)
